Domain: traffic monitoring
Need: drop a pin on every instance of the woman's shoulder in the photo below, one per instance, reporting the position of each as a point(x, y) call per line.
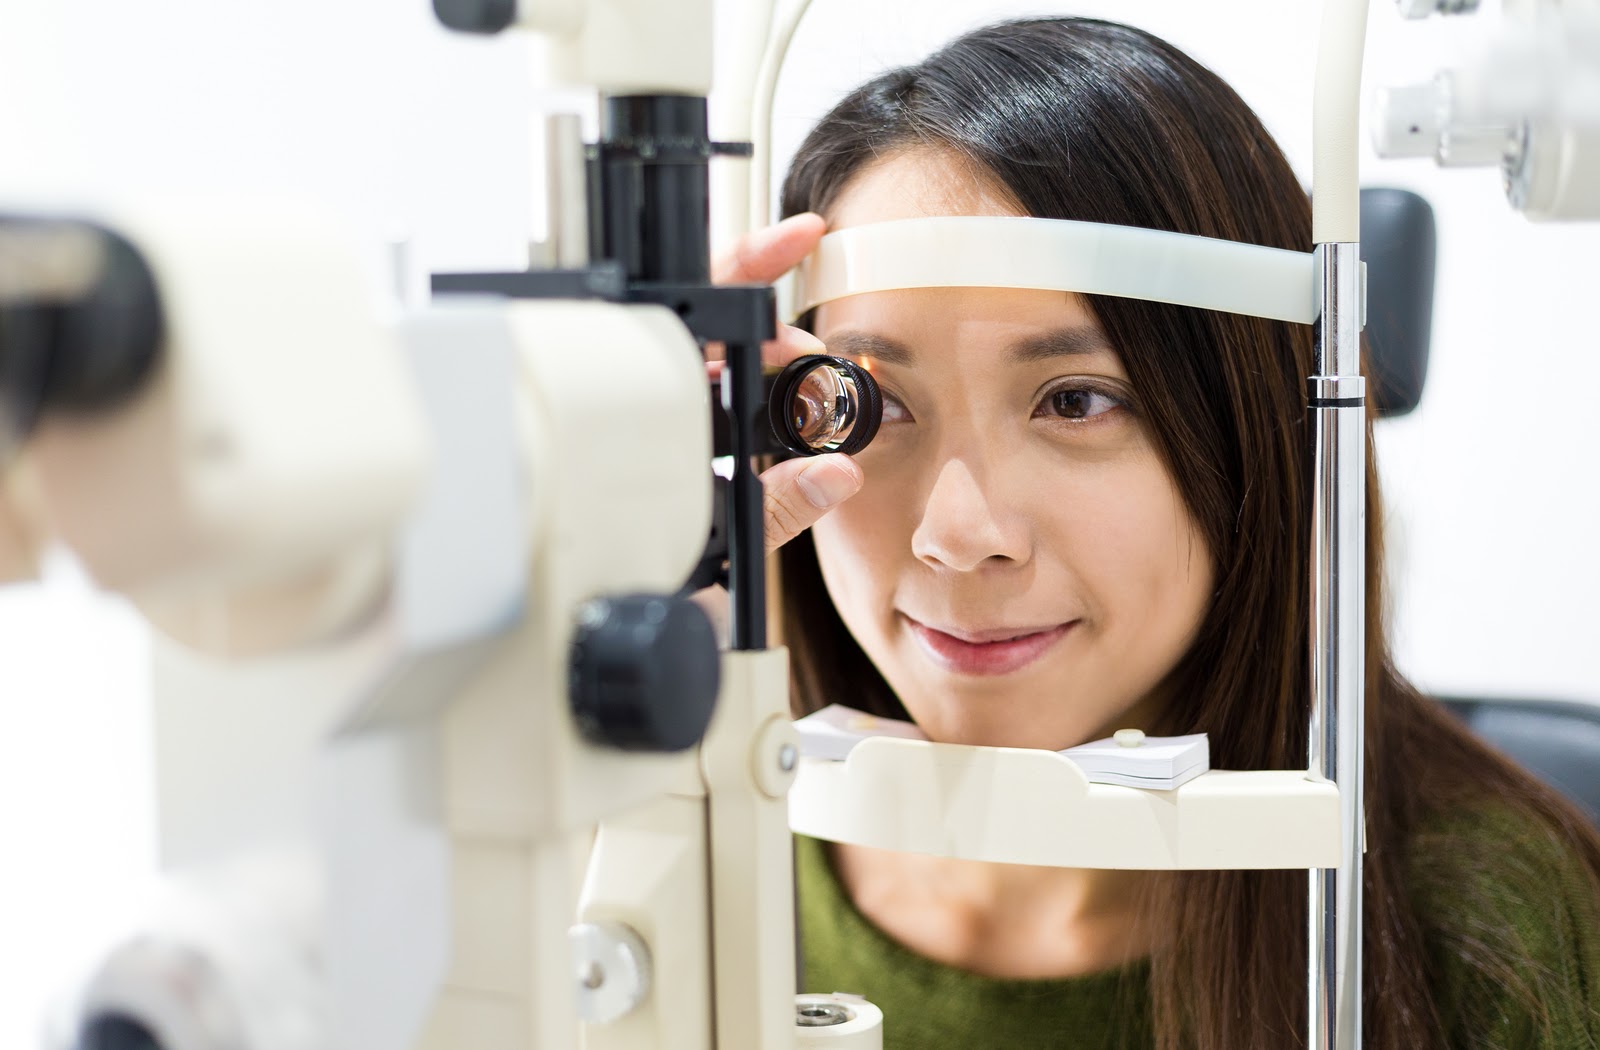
point(1510, 915)
point(1493, 861)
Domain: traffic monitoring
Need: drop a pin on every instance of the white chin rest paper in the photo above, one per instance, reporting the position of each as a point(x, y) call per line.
point(1056, 255)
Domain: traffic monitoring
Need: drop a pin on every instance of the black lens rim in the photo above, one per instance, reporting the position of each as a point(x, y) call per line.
point(869, 414)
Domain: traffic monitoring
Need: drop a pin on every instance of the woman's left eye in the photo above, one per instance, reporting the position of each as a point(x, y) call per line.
point(1077, 402)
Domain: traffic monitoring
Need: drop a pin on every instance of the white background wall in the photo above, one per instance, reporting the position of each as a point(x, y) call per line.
point(414, 133)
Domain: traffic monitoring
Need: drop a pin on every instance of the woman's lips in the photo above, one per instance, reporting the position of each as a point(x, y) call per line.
point(998, 657)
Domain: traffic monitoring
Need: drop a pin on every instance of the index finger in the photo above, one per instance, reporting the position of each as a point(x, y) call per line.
point(765, 255)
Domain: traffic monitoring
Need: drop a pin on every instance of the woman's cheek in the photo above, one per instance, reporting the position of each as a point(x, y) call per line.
point(857, 553)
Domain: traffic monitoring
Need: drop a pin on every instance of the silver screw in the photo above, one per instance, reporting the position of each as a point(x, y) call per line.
point(787, 757)
point(592, 614)
point(821, 1015)
point(593, 976)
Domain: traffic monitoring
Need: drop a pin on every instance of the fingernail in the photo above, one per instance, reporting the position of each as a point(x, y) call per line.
point(826, 483)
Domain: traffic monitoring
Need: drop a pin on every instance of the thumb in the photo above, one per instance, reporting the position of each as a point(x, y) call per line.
point(762, 256)
point(799, 491)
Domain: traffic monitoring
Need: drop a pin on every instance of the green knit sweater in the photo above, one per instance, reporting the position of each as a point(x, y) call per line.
point(1519, 894)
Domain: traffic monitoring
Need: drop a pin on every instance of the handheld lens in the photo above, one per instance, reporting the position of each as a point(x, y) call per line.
point(821, 403)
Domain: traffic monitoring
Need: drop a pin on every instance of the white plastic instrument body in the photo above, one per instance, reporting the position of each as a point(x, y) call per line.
point(229, 498)
point(623, 47)
point(1526, 100)
point(1016, 806)
point(620, 499)
point(698, 877)
point(247, 498)
point(22, 528)
point(375, 845)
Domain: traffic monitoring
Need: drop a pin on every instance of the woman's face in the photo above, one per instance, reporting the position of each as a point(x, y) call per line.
point(1018, 564)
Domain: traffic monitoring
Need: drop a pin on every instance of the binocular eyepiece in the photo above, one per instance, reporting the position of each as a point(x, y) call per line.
point(817, 404)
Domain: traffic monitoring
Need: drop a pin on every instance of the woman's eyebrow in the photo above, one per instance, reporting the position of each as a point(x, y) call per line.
point(1070, 341)
point(864, 344)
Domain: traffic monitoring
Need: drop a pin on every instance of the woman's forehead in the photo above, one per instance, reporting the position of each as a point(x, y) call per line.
point(1023, 325)
point(917, 183)
point(1014, 326)
point(920, 313)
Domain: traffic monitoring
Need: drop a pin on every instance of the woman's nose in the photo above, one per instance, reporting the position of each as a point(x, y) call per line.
point(964, 525)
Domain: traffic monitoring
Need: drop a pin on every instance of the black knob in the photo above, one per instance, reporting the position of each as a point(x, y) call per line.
point(476, 16)
point(86, 353)
point(643, 673)
point(116, 1032)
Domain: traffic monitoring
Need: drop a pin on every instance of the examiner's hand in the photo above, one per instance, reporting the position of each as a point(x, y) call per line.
point(798, 491)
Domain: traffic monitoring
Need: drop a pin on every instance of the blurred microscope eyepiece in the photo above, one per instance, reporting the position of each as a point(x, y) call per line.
point(817, 404)
point(80, 321)
point(116, 1032)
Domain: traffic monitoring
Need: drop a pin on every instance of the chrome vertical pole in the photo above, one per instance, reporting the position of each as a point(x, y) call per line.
point(1337, 404)
point(1337, 629)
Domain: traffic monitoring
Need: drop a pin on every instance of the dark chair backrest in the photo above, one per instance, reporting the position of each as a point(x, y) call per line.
point(1559, 742)
point(1398, 240)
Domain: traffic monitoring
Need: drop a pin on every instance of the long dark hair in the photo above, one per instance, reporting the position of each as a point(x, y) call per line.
point(1089, 120)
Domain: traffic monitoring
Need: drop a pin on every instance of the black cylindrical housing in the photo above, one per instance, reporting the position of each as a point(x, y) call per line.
point(476, 16)
point(655, 213)
point(86, 354)
point(116, 1032)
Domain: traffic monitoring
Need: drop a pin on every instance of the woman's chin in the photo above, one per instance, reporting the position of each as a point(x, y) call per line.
point(1009, 731)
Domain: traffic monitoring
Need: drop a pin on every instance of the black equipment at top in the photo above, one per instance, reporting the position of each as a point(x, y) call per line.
point(649, 209)
point(649, 214)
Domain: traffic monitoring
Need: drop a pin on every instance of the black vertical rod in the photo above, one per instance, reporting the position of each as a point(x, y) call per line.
point(653, 166)
point(742, 396)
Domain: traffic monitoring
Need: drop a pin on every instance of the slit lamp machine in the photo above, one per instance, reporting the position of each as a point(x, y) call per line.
point(545, 808)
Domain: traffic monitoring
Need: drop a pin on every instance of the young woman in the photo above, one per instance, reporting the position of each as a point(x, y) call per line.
point(1089, 513)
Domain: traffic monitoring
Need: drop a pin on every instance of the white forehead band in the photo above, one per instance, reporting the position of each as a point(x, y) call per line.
point(1055, 255)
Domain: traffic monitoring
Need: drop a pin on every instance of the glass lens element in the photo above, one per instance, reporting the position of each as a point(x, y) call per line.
point(821, 403)
point(824, 408)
